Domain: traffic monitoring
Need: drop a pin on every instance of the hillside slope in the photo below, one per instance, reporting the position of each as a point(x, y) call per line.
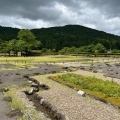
point(66, 36)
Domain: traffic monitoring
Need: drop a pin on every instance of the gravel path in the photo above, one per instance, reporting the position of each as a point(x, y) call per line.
point(73, 105)
point(4, 109)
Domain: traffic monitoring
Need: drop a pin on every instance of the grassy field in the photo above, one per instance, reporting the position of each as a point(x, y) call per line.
point(51, 58)
point(107, 90)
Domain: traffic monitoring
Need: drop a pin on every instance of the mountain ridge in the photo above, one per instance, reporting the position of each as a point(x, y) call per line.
point(66, 36)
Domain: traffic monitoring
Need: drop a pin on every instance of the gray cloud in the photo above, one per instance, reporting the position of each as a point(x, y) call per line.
point(110, 7)
point(98, 14)
point(33, 9)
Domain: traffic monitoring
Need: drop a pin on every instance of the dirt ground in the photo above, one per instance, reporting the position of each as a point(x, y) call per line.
point(67, 101)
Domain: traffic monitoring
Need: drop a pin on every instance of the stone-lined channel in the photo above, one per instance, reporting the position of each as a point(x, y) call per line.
point(41, 108)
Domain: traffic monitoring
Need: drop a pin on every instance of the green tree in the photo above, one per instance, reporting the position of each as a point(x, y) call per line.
point(21, 46)
point(4, 48)
point(96, 53)
point(64, 50)
point(115, 51)
point(29, 40)
point(100, 48)
point(12, 46)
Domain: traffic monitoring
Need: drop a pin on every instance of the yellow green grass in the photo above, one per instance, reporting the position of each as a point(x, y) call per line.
point(49, 58)
point(107, 90)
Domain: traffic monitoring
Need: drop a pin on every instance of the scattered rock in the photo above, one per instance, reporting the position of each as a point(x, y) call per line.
point(7, 98)
point(48, 106)
point(35, 89)
point(53, 72)
point(14, 113)
point(36, 73)
point(34, 85)
point(27, 92)
point(82, 93)
point(39, 98)
point(94, 71)
point(4, 89)
point(65, 67)
point(43, 86)
point(53, 110)
point(35, 96)
point(17, 73)
point(32, 79)
point(41, 101)
point(26, 76)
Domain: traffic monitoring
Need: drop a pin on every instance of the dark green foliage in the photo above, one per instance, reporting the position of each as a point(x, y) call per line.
point(74, 35)
point(100, 48)
point(115, 51)
point(56, 38)
point(27, 41)
point(8, 33)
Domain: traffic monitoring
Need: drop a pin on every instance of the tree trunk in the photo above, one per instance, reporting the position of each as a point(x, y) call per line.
point(9, 53)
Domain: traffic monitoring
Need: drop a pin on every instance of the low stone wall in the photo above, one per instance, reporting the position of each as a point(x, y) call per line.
point(49, 107)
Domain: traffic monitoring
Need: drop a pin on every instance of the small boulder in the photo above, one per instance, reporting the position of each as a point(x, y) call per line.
point(14, 113)
point(39, 98)
point(4, 89)
point(41, 101)
point(35, 96)
point(34, 85)
point(7, 98)
point(45, 87)
point(82, 93)
point(27, 92)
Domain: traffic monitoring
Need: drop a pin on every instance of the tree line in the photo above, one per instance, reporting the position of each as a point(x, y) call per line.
point(26, 41)
point(91, 49)
point(57, 38)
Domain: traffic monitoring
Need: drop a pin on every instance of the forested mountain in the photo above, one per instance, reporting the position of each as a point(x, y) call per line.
point(8, 33)
point(66, 36)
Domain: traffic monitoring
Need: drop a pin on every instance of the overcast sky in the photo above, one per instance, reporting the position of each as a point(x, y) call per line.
point(98, 14)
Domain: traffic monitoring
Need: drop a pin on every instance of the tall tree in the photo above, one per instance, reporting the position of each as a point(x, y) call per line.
point(28, 38)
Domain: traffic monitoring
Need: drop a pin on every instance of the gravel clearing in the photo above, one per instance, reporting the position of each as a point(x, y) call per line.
point(74, 106)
